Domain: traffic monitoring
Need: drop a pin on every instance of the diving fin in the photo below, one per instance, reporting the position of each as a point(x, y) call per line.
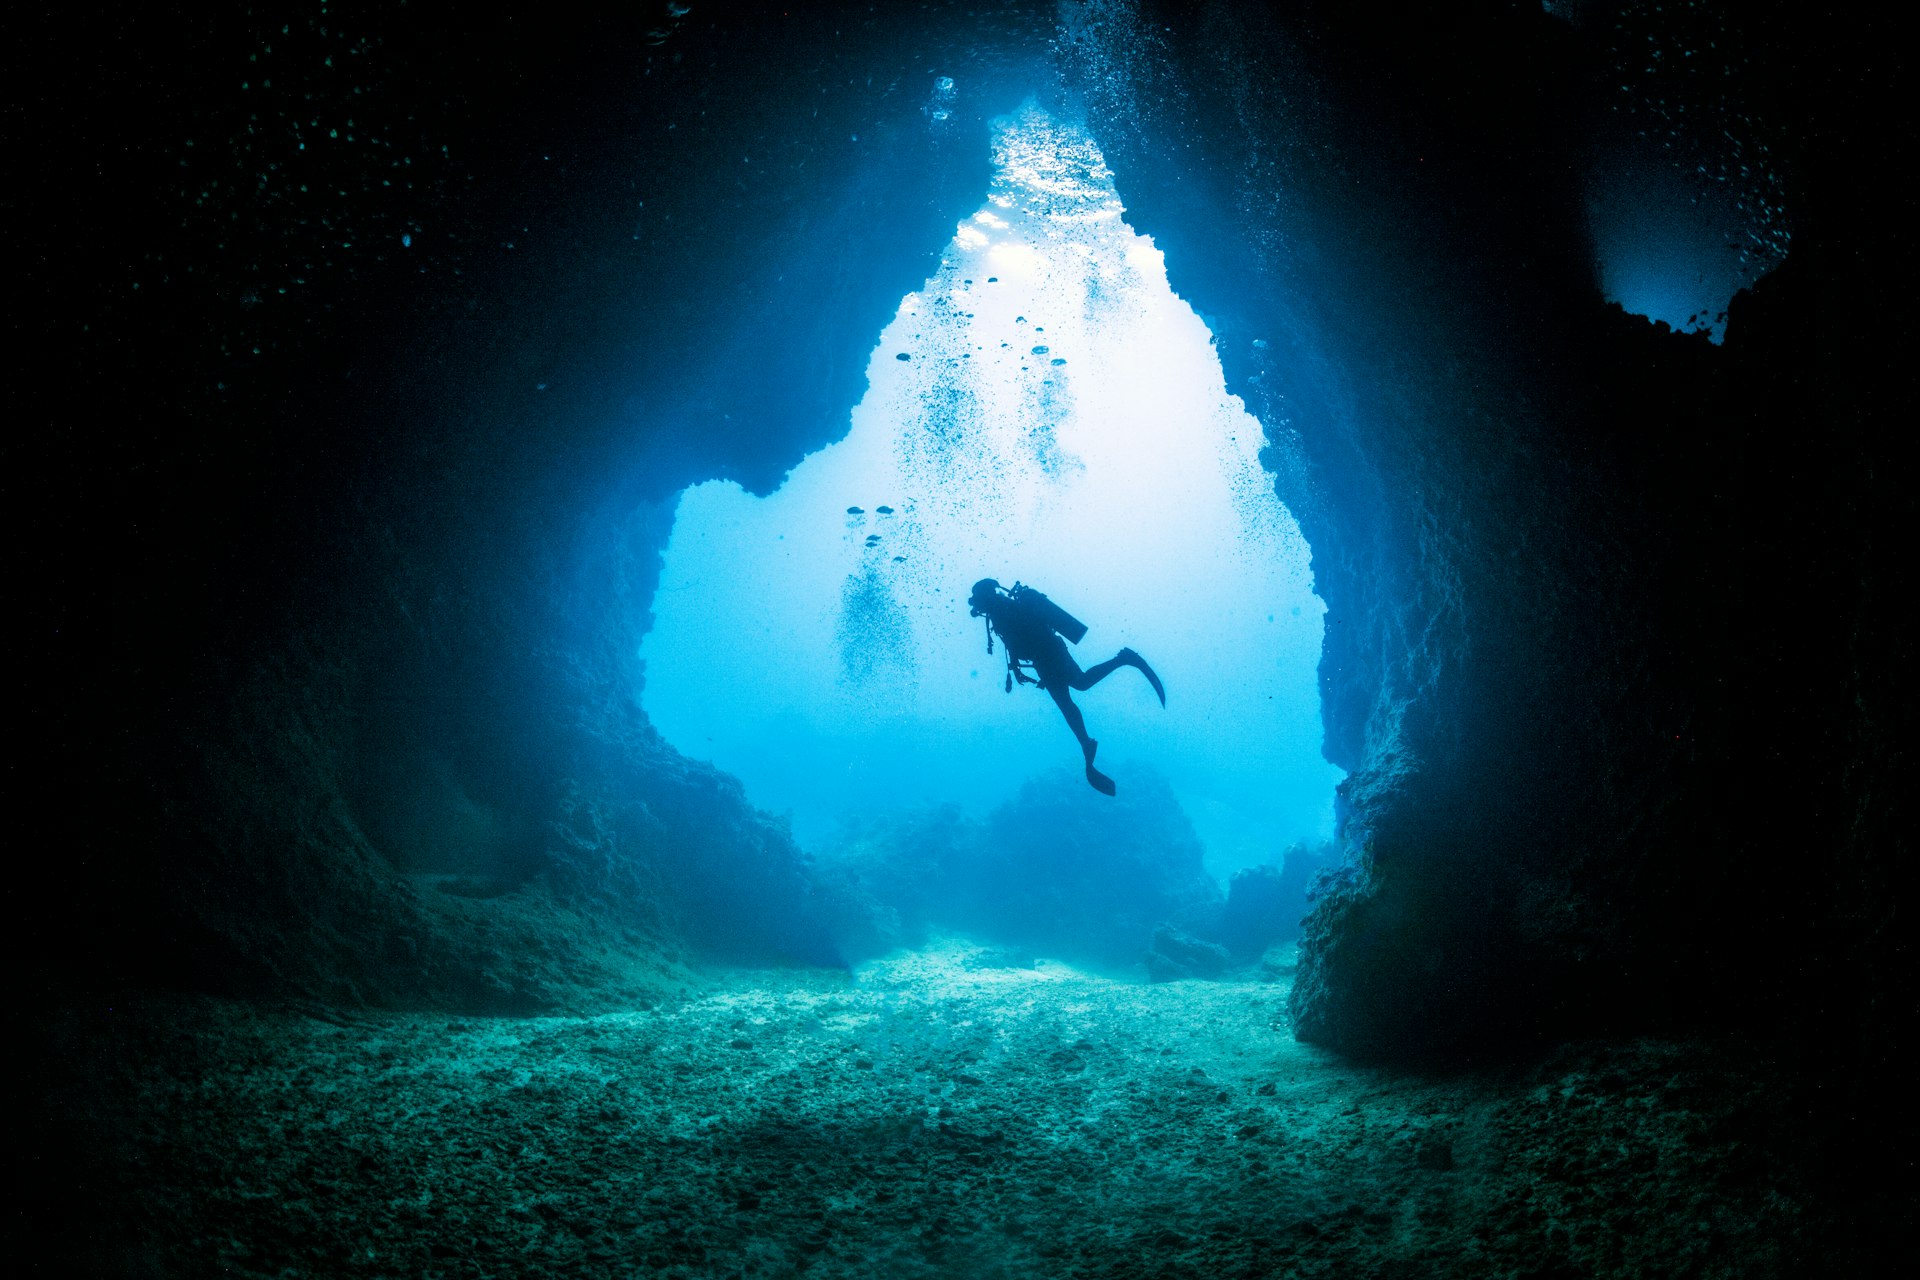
point(1097, 780)
point(1140, 664)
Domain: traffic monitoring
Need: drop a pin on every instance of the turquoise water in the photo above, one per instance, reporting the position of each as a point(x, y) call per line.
point(1044, 409)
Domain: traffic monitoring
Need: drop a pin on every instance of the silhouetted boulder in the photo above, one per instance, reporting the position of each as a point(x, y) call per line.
point(1174, 955)
point(1266, 904)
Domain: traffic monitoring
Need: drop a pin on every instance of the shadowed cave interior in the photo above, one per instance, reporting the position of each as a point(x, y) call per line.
point(533, 800)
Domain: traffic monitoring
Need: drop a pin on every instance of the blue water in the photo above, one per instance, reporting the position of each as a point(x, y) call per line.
point(1044, 409)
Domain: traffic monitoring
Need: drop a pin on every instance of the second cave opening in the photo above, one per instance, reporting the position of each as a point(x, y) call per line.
point(1044, 409)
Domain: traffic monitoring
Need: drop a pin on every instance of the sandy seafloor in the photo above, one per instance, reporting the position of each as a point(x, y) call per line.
point(921, 1117)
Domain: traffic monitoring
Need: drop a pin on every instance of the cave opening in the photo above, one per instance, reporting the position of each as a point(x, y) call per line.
point(1045, 409)
point(399, 919)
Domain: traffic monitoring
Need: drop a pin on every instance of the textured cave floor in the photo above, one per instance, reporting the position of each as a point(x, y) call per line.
point(920, 1117)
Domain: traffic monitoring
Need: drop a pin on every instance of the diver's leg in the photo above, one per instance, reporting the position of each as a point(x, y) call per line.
point(1125, 658)
point(1099, 671)
point(1078, 723)
point(1075, 721)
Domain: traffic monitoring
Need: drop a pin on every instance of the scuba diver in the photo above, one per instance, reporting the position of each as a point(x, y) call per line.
point(1031, 627)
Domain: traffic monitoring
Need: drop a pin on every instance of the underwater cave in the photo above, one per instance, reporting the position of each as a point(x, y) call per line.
point(532, 798)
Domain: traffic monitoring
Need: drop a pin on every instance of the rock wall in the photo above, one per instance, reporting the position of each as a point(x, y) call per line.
point(1606, 707)
point(359, 524)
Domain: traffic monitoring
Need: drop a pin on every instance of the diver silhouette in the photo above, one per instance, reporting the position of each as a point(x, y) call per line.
point(1030, 626)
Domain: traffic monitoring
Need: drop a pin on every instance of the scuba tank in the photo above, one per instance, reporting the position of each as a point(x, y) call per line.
point(1036, 605)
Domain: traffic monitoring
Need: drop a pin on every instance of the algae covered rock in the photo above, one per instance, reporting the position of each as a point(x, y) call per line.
point(1175, 955)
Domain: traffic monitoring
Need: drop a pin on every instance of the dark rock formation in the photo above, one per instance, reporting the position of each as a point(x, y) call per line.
point(1256, 913)
point(565, 856)
point(1266, 904)
point(1173, 956)
point(1573, 634)
point(380, 638)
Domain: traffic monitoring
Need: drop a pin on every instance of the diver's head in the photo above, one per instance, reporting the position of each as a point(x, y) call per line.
point(986, 592)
